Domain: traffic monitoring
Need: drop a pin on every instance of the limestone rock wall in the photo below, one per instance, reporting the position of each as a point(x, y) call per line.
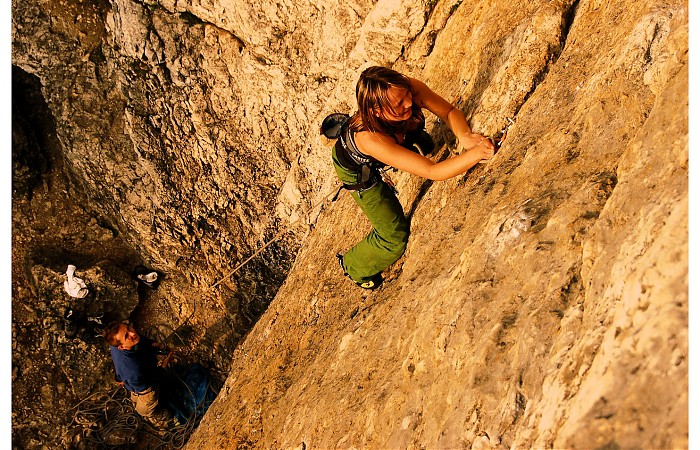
point(542, 295)
point(542, 301)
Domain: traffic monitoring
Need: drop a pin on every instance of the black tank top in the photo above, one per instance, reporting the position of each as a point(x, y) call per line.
point(353, 159)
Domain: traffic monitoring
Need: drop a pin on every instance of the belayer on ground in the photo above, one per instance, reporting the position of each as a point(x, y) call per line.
point(164, 394)
point(137, 368)
point(388, 130)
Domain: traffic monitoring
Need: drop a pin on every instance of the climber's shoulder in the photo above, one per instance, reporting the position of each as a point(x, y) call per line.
point(426, 98)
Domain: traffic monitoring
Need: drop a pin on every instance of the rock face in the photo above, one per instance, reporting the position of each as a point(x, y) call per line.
point(542, 301)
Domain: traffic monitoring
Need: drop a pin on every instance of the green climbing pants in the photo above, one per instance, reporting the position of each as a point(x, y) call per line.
point(387, 241)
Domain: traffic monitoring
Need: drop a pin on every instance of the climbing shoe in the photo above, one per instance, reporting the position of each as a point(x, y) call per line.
point(95, 325)
point(372, 284)
point(149, 279)
point(369, 285)
point(70, 323)
point(97, 320)
point(146, 277)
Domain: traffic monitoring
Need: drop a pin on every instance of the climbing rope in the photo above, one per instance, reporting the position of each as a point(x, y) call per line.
point(275, 238)
point(106, 421)
point(109, 421)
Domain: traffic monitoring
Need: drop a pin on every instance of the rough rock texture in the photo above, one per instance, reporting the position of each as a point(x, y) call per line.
point(542, 301)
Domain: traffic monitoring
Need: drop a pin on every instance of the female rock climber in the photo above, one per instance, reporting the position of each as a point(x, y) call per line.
point(387, 129)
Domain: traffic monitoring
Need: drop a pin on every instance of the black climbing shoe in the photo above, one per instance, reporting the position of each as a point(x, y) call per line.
point(70, 323)
point(369, 285)
point(372, 284)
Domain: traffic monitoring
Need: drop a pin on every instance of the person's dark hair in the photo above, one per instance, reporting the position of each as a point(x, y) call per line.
point(110, 334)
point(371, 92)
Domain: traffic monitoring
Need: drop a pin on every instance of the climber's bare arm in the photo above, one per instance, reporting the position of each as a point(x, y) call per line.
point(386, 150)
point(453, 117)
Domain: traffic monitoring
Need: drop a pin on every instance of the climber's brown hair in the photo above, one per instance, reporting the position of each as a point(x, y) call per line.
point(110, 334)
point(371, 92)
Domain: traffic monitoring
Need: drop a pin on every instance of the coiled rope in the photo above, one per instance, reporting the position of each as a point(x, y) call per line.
point(109, 421)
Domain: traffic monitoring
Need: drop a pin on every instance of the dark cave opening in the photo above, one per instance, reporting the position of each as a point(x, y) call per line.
point(35, 146)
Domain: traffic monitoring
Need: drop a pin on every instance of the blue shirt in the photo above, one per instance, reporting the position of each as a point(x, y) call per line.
point(138, 367)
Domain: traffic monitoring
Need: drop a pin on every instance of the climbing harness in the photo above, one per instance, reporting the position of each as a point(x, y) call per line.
point(370, 170)
point(349, 156)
